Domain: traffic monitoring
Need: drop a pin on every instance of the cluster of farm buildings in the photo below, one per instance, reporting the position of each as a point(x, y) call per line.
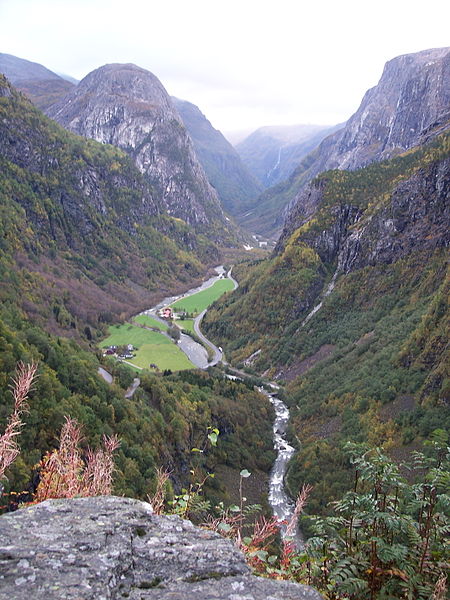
point(120, 351)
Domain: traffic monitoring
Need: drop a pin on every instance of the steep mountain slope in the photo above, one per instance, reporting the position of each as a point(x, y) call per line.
point(236, 187)
point(346, 221)
point(41, 85)
point(82, 229)
point(127, 106)
point(352, 312)
point(271, 153)
point(84, 243)
point(409, 105)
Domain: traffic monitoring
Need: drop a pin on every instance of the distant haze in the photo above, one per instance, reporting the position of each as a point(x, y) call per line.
point(245, 64)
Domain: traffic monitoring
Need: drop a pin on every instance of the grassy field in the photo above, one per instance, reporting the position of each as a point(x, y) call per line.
point(187, 324)
point(198, 302)
point(152, 347)
point(150, 322)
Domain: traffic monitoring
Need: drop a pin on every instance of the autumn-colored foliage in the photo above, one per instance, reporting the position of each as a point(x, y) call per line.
point(64, 473)
point(20, 387)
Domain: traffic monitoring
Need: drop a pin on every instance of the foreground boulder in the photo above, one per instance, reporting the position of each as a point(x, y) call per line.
point(109, 547)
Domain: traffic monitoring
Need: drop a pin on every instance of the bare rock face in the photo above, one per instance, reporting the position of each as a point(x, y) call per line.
point(409, 105)
point(414, 216)
point(127, 106)
point(108, 547)
point(411, 100)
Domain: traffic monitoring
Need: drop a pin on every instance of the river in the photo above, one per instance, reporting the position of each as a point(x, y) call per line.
point(281, 504)
point(196, 353)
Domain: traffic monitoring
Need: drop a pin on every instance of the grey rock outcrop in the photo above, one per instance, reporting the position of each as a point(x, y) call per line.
point(411, 100)
point(127, 106)
point(108, 547)
point(415, 216)
point(409, 106)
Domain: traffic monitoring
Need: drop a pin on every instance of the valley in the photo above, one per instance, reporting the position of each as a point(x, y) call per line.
point(156, 342)
point(324, 350)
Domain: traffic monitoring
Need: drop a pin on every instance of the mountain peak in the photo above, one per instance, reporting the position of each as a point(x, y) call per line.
point(117, 83)
point(128, 107)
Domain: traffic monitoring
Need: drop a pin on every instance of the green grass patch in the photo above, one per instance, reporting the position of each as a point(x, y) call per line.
point(150, 322)
point(201, 300)
point(166, 355)
point(152, 347)
point(187, 324)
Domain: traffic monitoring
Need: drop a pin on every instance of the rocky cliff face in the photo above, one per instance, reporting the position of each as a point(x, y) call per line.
point(410, 105)
point(108, 547)
point(416, 217)
point(127, 106)
point(236, 186)
point(82, 180)
point(411, 101)
point(412, 215)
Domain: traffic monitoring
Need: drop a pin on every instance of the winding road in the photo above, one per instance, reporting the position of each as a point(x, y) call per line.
point(282, 505)
point(218, 353)
point(196, 353)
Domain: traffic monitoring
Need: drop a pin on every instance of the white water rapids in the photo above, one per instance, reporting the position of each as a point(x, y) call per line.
point(282, 505)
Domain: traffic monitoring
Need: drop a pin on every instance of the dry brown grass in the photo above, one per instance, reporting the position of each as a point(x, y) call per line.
point(20, 388)
point(64, 473)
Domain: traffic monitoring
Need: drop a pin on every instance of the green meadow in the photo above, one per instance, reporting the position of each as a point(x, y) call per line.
point(150, 322)
point(187, 324)
point(198, 302)
point(152, 348)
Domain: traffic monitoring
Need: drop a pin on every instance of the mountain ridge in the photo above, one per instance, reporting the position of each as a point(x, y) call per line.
point(236, 186)
point(408, 106)
point(41, 85)
point(127, 106)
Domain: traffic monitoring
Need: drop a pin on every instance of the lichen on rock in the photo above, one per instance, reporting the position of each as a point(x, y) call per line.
point(109, 547)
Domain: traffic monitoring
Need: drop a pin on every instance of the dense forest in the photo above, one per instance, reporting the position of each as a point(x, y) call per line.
point(84, 243)
point(167, 417)
point(371, 365)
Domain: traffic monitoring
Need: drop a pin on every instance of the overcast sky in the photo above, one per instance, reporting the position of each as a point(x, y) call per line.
point(245, 63)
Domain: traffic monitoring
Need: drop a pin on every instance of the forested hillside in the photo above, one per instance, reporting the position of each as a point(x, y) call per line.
point(165, 419)
point(84, 242)
point(372, 363)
